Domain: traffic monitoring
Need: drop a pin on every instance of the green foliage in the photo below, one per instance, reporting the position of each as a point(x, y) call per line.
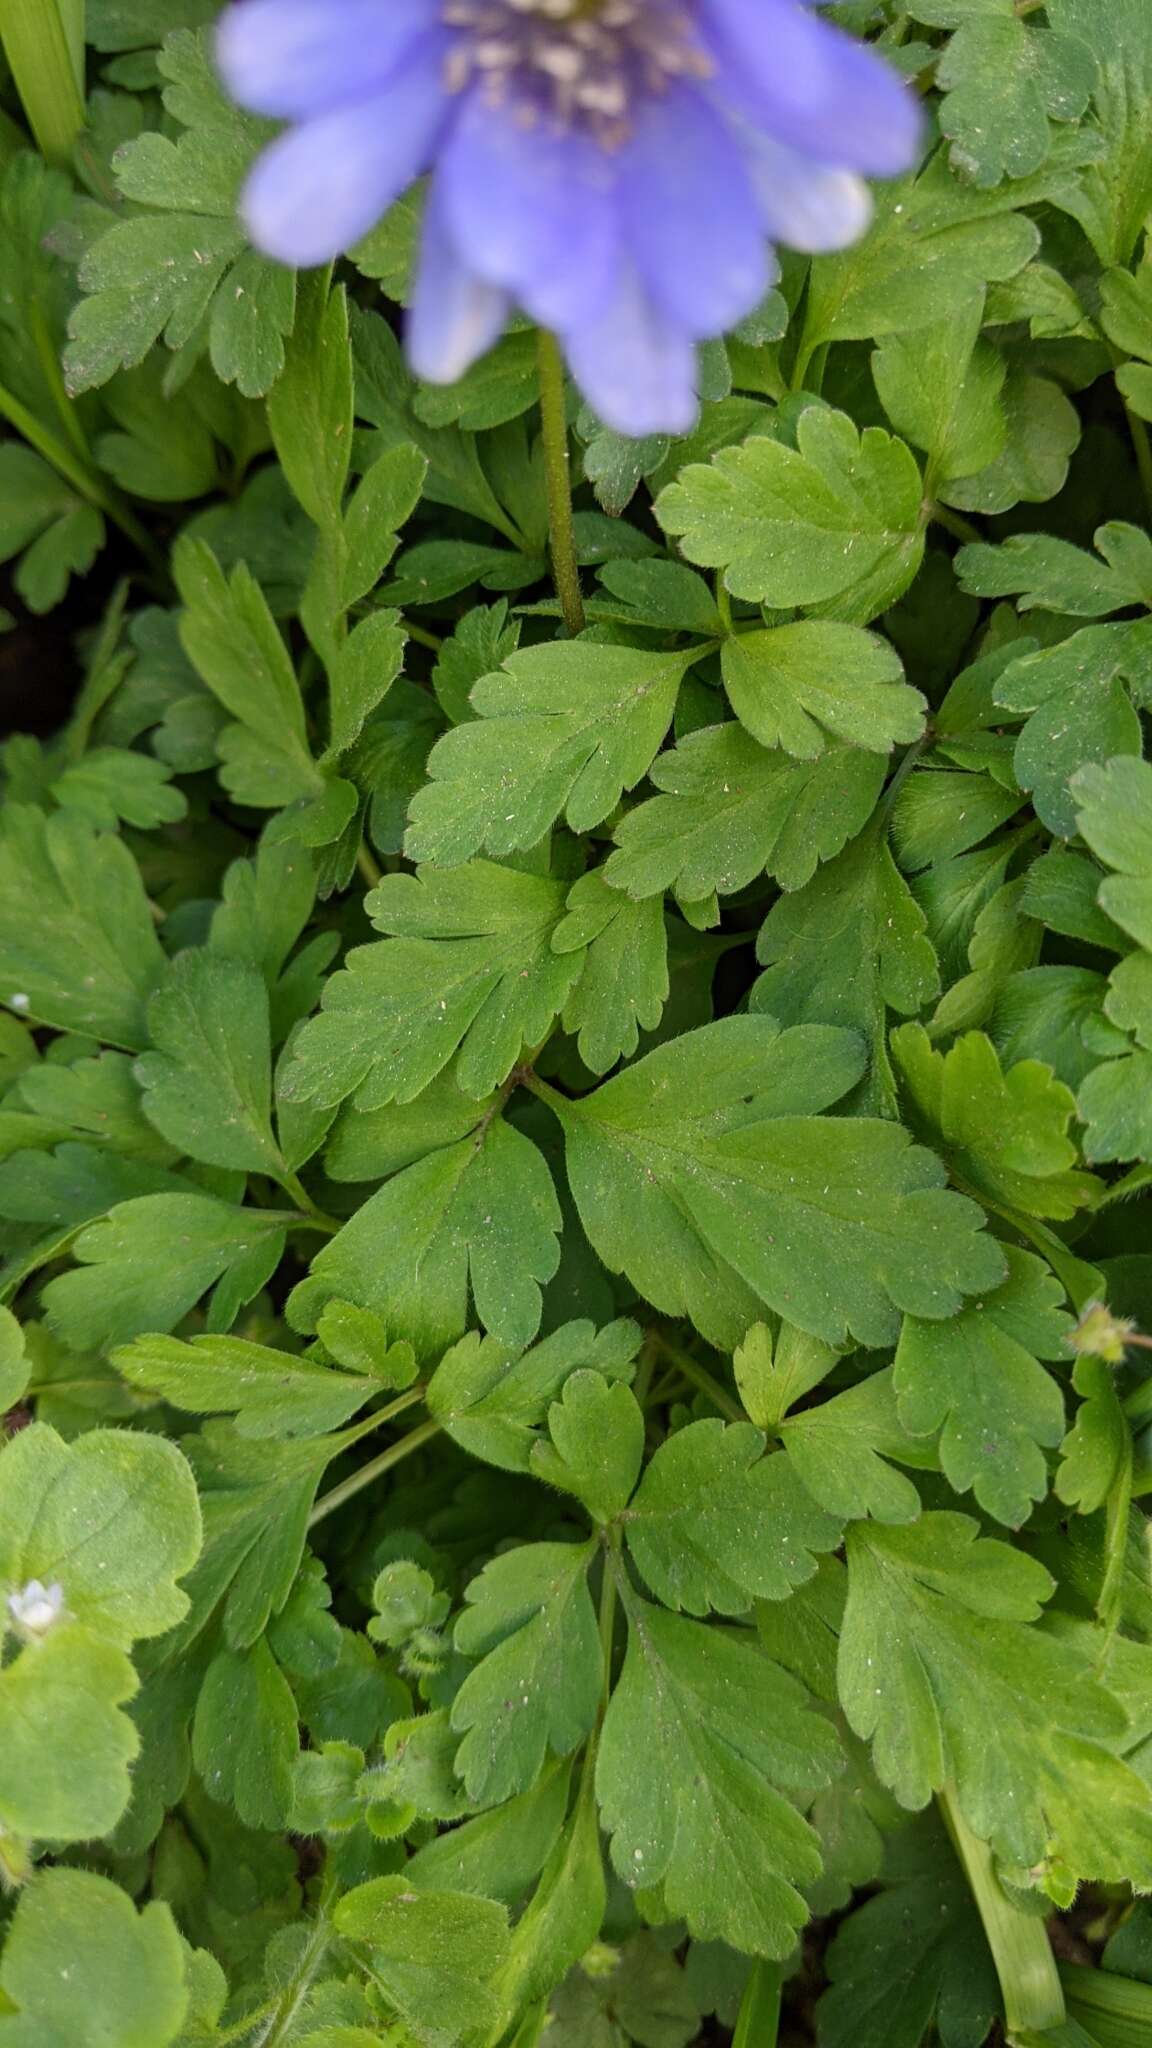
point(541, 1171)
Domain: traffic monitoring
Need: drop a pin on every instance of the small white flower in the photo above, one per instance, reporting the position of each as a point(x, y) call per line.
point(36, 1607)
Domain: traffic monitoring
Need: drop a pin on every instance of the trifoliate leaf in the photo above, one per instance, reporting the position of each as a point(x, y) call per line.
point(939, 1669)
point(834, 524)
point(110, 1521)
point(150, 1260)
point(715, 1524)
point(1080, 710)
point(208, 1085)
point(470, 964)
point(244, 1739)
point(624, 981)
point(88, 958)
point(492, 1402)
point(914, 1952)
point(43, 520)
point(794, 686)
point(596, 1446)
point(431, 1955)
point(562, 729)
point(478, 646)
point(845, 949)
point(1052, 575)
point(704, 1744)
point(234, 644)
point(933, 246)
point(705, 1173)
point(357, 1338)
point(182, 269)
point(477, 1220)
point(530, 1619)
point(82, 1968)
point(977, 1379)
point(772, 1373)
point(841, 1451)
point(1003, 80)
point(733, 810)
point(1003, 1134)
point(110, 784)
point(270, 1393)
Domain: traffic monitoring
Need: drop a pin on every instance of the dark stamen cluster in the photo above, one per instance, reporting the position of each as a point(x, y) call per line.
point(578, 63)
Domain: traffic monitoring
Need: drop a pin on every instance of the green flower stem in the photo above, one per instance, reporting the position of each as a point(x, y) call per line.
point(700, 1377)
point(562, 536)
point(69, 464)
point(44, 41)
point(758, 2025)
point(1116, 2010)
point(954, 523)
point(369, 866)
point(423, 637)
point(1021, 1950)
point(376, 1467)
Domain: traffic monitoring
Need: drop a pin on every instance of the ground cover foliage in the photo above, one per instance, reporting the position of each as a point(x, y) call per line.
point(576, 1215)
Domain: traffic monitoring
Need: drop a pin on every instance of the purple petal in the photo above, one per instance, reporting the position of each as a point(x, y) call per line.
point(534, 208)
point(288, 58)
point(316, 190)
point(635, 368)
point(812, 86)
point(454, 316)
point(809, 206)
point(691, 214)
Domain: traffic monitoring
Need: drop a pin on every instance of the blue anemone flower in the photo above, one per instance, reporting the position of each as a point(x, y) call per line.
point(616, 168)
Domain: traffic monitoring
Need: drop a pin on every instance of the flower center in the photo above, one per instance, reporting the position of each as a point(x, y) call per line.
point(576, 63)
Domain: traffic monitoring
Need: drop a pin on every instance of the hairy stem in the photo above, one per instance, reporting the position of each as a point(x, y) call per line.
point(562, 537)
point(376, 1467)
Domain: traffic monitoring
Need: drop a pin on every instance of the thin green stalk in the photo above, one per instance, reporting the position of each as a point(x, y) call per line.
point(1117, 2010)
point(954, 523)
point(286, 2012)
point(68, 463)
point(562, 535)
point(758, 2025)
point(423, 637)
point(1021, 1950)
point(294, 1187)
point(374, 1469)
point(46, 56)
point(369, 866)
point(700, 1377)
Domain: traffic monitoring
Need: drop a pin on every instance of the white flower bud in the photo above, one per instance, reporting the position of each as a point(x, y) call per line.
point(36, 1607)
